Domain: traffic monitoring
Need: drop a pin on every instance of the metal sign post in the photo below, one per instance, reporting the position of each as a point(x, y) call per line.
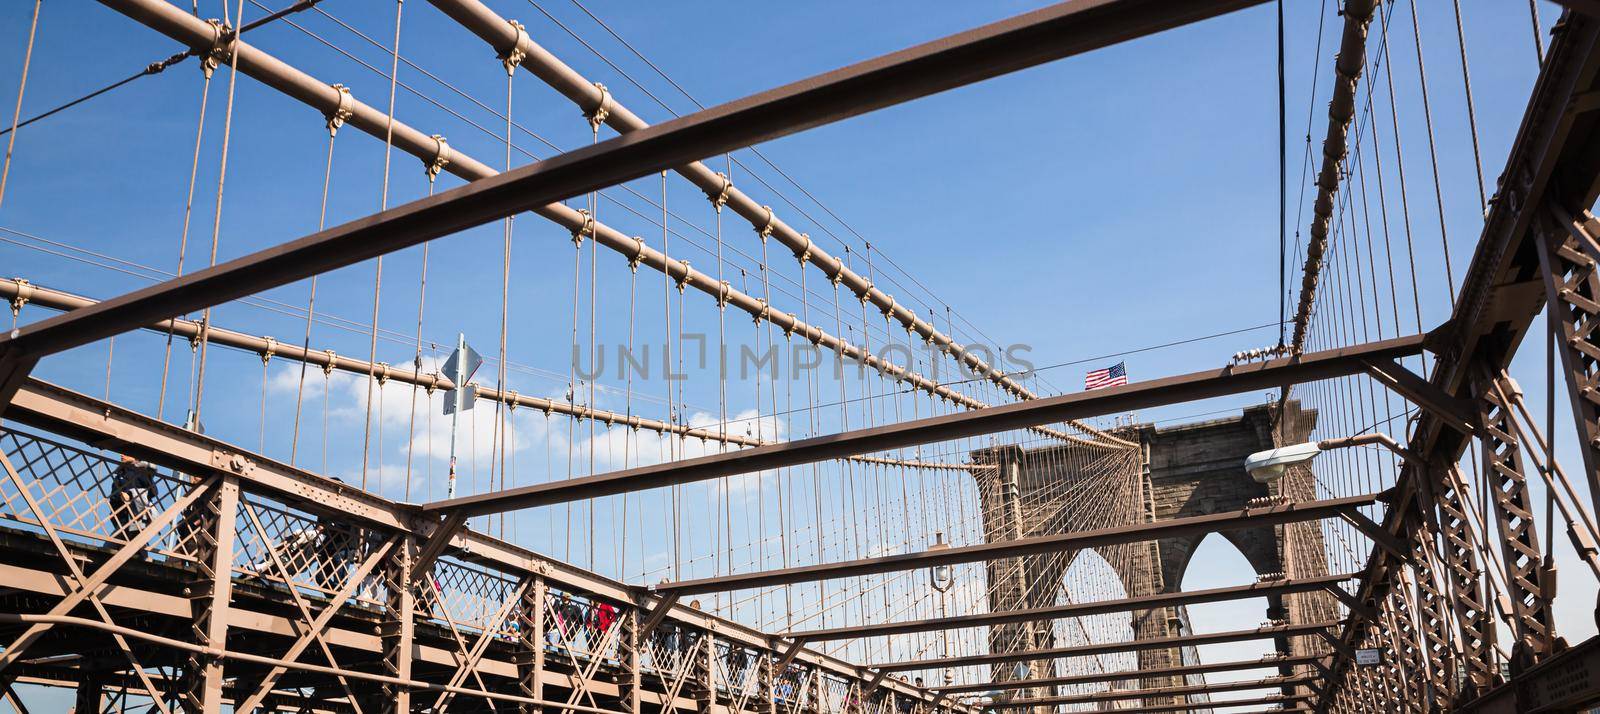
point(462, 364)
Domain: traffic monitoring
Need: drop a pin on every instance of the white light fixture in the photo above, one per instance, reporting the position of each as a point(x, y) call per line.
point(1268, 466)
point(940, 576)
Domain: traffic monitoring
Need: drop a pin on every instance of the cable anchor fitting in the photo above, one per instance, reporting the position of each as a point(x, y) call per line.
point(24, 294)
point(514, 55)
point(511, 399)
point(584, 229)
point(441, 157)
point(602, 109)
point(221, 51)
point(723, 288)
point(327, 367)
point(804, 254)
point(638, 254)
point(720, 198)
point(381, 372)
point(686, 278)
point(194, 340)
point(268, 350)
point(341, 111)
point(765, 231)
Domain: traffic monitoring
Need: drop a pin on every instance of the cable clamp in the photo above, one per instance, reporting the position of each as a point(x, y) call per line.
point(765, 231)
point(24, 294)
point(804, 254)
point(327, 368)
point(686, 278)
point(765, 313)
point(511, 399)
point(432, 383)
point(720, 198)
point(602, 109)
point(221, 52)
point(723, 288)
point(441, 157)
point(194, 340)
point(269, 350)
point(341, 110)
point(638, 254)
point(514, 55)
point(584, 229)
point(381, 371)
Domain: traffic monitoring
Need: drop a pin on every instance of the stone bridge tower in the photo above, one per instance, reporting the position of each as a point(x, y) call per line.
point(1187, 470)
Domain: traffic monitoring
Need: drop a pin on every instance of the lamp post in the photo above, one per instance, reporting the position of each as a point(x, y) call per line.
point(942, 578)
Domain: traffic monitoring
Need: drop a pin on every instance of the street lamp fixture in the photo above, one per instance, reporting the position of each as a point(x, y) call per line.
point(1270, 465)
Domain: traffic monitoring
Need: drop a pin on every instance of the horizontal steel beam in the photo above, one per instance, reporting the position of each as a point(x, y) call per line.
point(1568, 681)
point(1212, 706)
point(1259, 633)
point(1233, 379)
point(999, 48)
point(1055, 543)
point(1270, 588)
point(1178, 690)
point(1096, 677)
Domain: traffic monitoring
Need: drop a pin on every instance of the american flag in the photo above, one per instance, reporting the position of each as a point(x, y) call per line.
point(1114, 376)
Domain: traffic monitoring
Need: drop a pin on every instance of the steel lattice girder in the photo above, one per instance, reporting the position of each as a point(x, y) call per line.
point(107, 426)
point(1280, 663)
point(982, 53)
point(1551, 161)
point(1234, 379)
point(1211, 638)
point(1269, 588)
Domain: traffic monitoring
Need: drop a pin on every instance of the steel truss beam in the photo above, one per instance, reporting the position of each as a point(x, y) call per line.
point(1528, 577)
point(1259, 633)
point(1133, 674)
point(1269, 588)
point(1551, 162)
point(1057, 543)
point(107, 426)
point(1234, 379)
point(1186, 689)
point(982, 53)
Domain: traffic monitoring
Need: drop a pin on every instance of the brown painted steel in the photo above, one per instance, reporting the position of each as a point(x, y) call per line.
point(1210, 706)
point(1271, 588)
point(1113, 400)
point(1056, 543)
point(1212, 638)
point(1341, 111)
point(1187, 689)
point(982, 53)
point(1130, 674)
point(1551, 160)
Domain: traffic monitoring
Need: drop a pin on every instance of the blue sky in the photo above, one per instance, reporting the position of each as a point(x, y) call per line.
point(1106, 203)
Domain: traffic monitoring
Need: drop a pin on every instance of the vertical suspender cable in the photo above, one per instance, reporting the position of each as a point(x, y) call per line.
point(183, 236)
point(228, 36)
point(1283, 192)
point(22, 85)
point(377, 273)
